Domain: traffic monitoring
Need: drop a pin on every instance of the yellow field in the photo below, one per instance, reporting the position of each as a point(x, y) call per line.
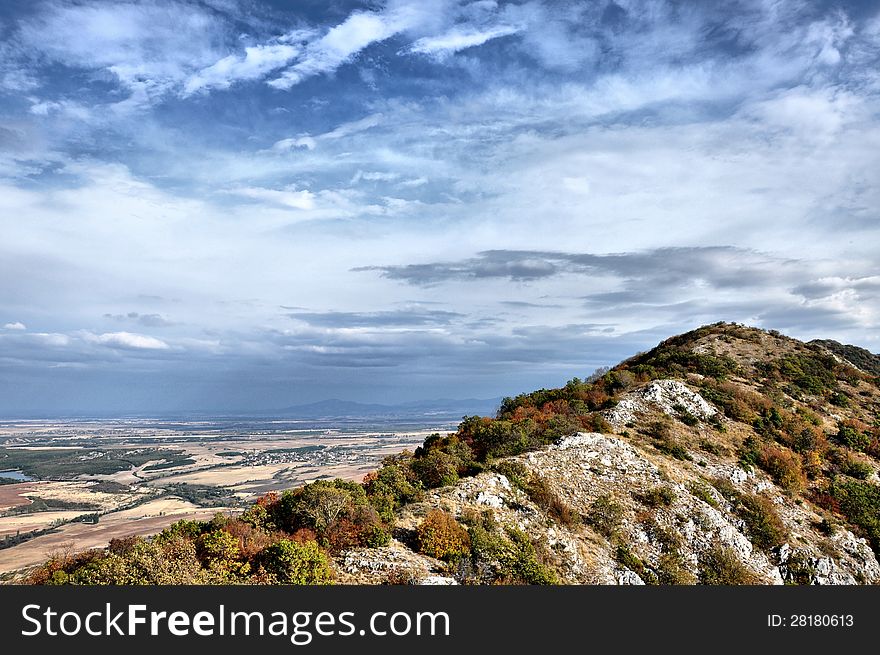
point(146, 519)
point(36, 521)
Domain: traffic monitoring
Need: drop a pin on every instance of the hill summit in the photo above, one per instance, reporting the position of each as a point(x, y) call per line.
point(726, 455)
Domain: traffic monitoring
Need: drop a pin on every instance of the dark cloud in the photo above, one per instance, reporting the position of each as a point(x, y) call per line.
point(395, 318)
point(522, 304)
point(145, 320)
point(721, 266)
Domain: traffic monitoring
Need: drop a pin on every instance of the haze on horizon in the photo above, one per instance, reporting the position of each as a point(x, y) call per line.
point(245, 204)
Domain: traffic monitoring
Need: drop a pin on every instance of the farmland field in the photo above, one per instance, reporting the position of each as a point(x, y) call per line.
point(88, 481)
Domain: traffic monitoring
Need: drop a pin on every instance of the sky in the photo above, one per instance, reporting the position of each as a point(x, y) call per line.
point(233, 205)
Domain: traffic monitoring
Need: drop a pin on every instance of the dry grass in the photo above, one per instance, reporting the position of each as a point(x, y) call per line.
point(146, 519)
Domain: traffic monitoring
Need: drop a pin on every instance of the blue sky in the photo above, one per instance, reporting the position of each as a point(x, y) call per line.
point(235, 204)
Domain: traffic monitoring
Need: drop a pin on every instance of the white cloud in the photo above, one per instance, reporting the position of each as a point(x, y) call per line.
point(67, 108)
point(345, 129)
point(148, 46)
point(413, 182)
point(344, 41)
point(459, 38)
point(256, 62)
point(127, 340)
point(52, 339)
point(374, 176)
point(288, 198)
point(17, 325)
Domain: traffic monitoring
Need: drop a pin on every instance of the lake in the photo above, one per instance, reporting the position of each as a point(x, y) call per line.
point(15, 475)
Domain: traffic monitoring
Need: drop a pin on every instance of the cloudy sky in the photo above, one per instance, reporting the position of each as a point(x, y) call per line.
point(242, 204)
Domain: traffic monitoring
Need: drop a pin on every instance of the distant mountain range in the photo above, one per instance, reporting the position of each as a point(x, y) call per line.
point(441, 408)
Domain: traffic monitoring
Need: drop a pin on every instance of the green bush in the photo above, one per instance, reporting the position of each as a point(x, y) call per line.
point(701, 490)
point(661, 496)
point(337, 511)
point(859, 502)
point(436, 469)
point(852, 437)
point(521, 562)
point(516, 472)
point(763, 525)
point(392, 486)
point(289, 562)
point(605, 516)
point(625, 557)
point(721, 566)
point(217, 547)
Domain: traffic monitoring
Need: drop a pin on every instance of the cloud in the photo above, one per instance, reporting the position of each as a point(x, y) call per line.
point(339, 132)
point(341, 44)
point(374, 176)
point(386, 319)
point(255, 63)
point(459, 38)
point(288, 198)
point(722, 265)
point(148, 46)
point(147, 320)
point(16, 325)
point(127, 340)
point(413, 182)
point(607, 176)
point(66, 108)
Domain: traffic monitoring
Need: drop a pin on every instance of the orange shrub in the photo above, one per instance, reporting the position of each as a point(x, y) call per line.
point(441, 536)
point(783, 465)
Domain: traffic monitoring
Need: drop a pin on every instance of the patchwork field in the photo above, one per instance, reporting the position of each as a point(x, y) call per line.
point(91, 481)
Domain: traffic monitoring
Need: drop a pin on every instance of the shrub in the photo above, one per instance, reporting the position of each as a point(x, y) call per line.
point(605, 516)
point(393, 485)
point(798, 570)
point(170, 560)
point(217, 547)
point(514, 471)
point(337, 511)
point(440, 535)
point(856, 469)
point(657, 497)
point(436, 469)
point(185, 529)
point(763, 525)
point(521, 562)
point(783, 466)
point(671, 570)
point(250, 540)
point(859, 502)
point(665, 442)
point(289, 562)
point(721, 566)
point(701, 490)
point(543, 495)
point(809, 440)
point(839, 399)
point(811, 373)
point(625, 557)
point(851, 436)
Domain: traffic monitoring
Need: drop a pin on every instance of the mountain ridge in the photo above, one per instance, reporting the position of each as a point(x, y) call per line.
point(724, 455)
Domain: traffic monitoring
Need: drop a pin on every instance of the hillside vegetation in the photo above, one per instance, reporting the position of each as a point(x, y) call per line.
point(726, 455)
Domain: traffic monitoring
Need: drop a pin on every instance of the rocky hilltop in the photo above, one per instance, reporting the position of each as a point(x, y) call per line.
point(726, 455)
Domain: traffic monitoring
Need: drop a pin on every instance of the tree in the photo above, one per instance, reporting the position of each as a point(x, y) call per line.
point(290, 562)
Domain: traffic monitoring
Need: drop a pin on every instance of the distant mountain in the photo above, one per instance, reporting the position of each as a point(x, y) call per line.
point(440, 408)
point(858, 357)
